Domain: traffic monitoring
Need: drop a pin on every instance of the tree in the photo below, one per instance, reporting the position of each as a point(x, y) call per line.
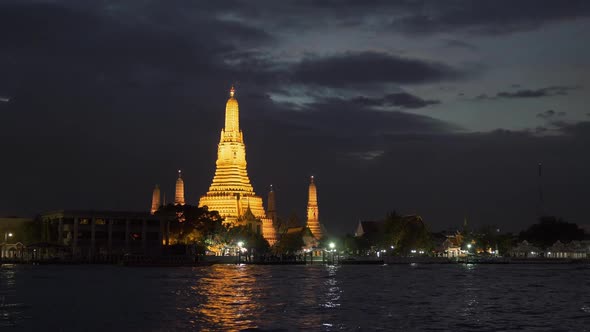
point(251, 240)
point(550, 229)
point(355, 244)
point(487, 237)
point(406, 234)
point(191, 224)
point(290, 243)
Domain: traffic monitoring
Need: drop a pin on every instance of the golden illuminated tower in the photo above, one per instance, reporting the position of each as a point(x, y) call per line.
point(269, 229)
point(179, 194)
point(155, 200)
point(230, 192)
point(313, 214)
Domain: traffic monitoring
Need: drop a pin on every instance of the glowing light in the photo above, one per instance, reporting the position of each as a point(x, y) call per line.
point(9, 234)
point(413, 251)
point(313, 221)
point(469, 246)
point(231, 192)
point(240, 244)
point(332, 245)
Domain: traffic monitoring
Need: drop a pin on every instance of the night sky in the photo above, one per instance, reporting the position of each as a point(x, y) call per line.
point(440, 108)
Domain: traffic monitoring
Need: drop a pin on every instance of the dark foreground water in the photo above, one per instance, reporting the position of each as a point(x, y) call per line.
point(285, 298)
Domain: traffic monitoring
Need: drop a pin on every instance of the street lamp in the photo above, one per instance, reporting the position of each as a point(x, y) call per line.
point(240, 244)
point(6, 236)
point(332, 246)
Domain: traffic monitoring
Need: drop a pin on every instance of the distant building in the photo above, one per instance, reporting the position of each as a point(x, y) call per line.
point(451, 247)
point(366, 228)
point(313, 212)
point(179, 192)
point(572, 250)
point(12, 237)
point(156, 200)
point(525, 250)
point(102, 235)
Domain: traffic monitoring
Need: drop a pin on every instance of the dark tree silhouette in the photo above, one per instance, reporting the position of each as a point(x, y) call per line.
point(550, 229)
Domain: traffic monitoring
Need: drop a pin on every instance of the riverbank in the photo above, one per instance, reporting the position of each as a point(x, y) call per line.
point(213, 260)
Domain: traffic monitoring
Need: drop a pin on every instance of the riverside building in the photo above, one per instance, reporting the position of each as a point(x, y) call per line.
point(102, 235)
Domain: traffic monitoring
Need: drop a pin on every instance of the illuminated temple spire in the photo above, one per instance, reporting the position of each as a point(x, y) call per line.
point(313, 221)
point(232, 113)
point(179, 193)
point(230, 190)
point(272, 209)
point(155, 200)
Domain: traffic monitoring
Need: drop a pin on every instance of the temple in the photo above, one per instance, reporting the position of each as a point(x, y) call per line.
point(179, 193)
point(231, 193)
point(313, 221)
point(155, 200)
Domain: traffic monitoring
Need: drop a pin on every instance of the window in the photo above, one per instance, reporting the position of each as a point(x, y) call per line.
point(100, 221)
point(84, 221)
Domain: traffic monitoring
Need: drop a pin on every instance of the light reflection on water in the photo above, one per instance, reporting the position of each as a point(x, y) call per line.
point(285, 298)
point(227, 298)
point(332, 295)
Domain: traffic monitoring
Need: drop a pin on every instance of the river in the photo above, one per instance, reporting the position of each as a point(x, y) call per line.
point(417, 297)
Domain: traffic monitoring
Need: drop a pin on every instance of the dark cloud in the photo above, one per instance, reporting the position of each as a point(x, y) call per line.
point(109, 98)
point(106, 52)
point(459, 44)
point(549, 114)
point(487, 16)
point(399, 99)
point(352, 69)
point(544, 92)
point(531, 93)
point(413, 17)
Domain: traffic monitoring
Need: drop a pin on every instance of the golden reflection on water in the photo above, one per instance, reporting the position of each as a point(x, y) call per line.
point(227, 298)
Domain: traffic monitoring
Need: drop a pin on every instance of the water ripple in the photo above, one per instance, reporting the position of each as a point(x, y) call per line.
point(287, 298)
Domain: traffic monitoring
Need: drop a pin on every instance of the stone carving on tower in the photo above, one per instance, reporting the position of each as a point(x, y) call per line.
point(231, 193)
point(313, 215)
point(155, 200)
point(179, 193)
